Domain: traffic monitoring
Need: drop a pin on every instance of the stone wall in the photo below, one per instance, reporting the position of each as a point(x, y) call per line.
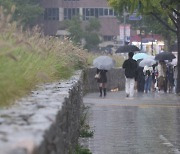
point(115, 79)
point(45, 122)
point(48, 120)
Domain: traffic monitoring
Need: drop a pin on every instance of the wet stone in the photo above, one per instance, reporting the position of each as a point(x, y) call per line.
point(22, 126)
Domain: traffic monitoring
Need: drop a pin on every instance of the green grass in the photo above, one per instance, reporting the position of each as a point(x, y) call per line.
point(81, 150)
point(19, 75)
point(29, 58)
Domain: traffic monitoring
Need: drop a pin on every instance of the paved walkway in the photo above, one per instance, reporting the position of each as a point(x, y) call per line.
point(148, 124)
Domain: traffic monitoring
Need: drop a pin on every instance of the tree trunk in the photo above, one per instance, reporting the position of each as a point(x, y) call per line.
point(178, 65)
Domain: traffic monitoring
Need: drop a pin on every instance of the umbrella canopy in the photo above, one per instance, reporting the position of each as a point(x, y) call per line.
point(140, 56)
point(147, 62)
point(104, 62)
point(127, 48)
point(174, 62)
point(165, 56)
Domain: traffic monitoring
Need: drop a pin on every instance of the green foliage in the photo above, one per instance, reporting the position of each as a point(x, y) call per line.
point(29, 58)
point(84, 127)
point(89, 33)
point(27, 11)
point(160, 8)
point(94, 25)
point(92, 40)
point(74, 27)
point(86, 133)
point(160, 12)
point(81, 150)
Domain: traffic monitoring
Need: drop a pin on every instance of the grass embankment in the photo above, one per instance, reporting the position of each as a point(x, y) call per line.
point(29, 58)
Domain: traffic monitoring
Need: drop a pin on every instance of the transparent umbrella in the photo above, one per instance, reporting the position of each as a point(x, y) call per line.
point(174, 62)
point(104, 62)
point(147, 62)
point(140, 56)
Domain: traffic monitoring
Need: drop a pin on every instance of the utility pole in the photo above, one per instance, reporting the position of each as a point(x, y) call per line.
point(141, 37)
point(152, 52)
point(124, 22)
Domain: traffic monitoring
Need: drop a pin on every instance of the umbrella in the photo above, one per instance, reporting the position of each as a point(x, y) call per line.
point(165, 56)
point(147, 62)
point(104, 62)
point(150, 57)
point(127, 48)
point(140, 56)
point(174, 62)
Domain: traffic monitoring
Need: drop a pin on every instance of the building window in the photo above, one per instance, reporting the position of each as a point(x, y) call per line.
point(106, 12)
point(111, 12)
point(97, 12)
point(51, 14)
point(70, 12)
point(71, 0)
point(101, 13)
point(108, 38)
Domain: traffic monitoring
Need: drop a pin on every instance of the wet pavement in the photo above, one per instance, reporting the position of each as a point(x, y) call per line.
point(147, 124)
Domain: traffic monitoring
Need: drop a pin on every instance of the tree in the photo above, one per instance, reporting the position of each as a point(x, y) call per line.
point(91, 36)
point(75, 29)
point(27, 11)
point(160, 9)
point(148, 27)
point(88, 33)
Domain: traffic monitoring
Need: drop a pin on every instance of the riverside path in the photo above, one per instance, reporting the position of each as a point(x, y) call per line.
point(147, 124)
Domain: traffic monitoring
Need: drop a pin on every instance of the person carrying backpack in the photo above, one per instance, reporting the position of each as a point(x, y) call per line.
point(148, 78)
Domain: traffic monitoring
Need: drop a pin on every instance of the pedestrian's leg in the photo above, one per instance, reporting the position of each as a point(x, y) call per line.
point(150, 83)
point(132, 83)
point(100, 89)
point(104, 89)
point(146, 85)
point(165, 85)
point(127, 83)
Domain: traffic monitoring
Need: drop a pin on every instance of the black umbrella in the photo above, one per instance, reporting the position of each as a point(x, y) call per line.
point(165, 56)
point(127, 48)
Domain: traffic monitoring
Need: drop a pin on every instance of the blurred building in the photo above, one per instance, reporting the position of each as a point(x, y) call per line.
point(152, 44)
point(58, 10)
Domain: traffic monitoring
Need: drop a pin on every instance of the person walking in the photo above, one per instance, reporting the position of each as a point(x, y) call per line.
point(170, 78)
point(130, 66)
point(148, 78)
point(140, 79)
point(175, 78)
point(162, 76)
point(102, 80)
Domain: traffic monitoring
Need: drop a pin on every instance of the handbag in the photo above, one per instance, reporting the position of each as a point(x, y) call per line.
point(97, 76)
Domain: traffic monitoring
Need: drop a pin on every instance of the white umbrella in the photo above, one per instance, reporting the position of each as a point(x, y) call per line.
point(174, 62)
point(147, 62)
point(104, 62)
point(150, 57)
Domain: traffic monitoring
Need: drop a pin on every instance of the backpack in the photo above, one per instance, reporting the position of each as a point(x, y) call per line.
point(147, 73)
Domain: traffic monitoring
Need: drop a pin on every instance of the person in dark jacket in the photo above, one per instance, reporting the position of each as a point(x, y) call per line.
point(140, 79)
point(102, 81)
point(130, 66)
